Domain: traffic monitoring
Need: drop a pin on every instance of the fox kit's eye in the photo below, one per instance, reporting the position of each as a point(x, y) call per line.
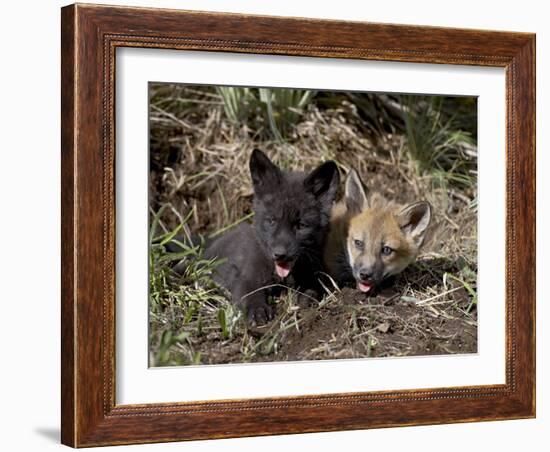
point(359, 244)
point(386, 250)
point(270, 221)
point(301, 225)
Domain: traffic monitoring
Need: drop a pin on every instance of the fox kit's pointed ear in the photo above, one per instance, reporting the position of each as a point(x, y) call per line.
point(354, 194)
point(415, 219)
point(265, 175)
point(323, 182)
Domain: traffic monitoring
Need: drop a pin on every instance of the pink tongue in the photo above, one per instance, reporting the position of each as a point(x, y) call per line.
point(282, 269)
point(364, 287)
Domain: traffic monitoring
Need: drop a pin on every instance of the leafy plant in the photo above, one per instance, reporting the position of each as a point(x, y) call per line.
point(282, 107)
point(237, 102)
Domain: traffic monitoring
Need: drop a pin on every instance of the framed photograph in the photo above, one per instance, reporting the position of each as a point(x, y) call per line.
point(281, 225)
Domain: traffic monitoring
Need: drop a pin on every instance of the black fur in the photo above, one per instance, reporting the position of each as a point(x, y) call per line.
point(292, 212)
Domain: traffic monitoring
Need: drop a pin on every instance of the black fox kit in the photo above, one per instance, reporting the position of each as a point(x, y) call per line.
point(371, 238)
point(284, 246)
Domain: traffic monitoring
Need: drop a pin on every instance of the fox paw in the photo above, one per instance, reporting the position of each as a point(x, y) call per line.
point(260, 313)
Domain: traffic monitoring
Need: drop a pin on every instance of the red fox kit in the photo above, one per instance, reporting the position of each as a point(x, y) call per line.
point(371, 238)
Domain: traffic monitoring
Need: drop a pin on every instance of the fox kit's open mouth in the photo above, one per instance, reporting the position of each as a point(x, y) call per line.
point(365, 286)
point(282, 268)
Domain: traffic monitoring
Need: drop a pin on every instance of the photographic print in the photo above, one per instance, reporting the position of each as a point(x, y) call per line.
point(263, 201)
point(296, 224)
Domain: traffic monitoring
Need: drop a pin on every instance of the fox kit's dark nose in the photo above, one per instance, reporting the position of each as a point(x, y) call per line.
point(365, 275)
point(280, 254)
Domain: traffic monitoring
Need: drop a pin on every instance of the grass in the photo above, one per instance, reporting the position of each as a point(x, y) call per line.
point(407, 148)
point(437, 144)
point(282, 107)
point(183, 306)
point(238, 103)
point(427, 310)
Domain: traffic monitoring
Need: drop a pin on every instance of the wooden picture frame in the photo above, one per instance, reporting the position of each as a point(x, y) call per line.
point(90, 36)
